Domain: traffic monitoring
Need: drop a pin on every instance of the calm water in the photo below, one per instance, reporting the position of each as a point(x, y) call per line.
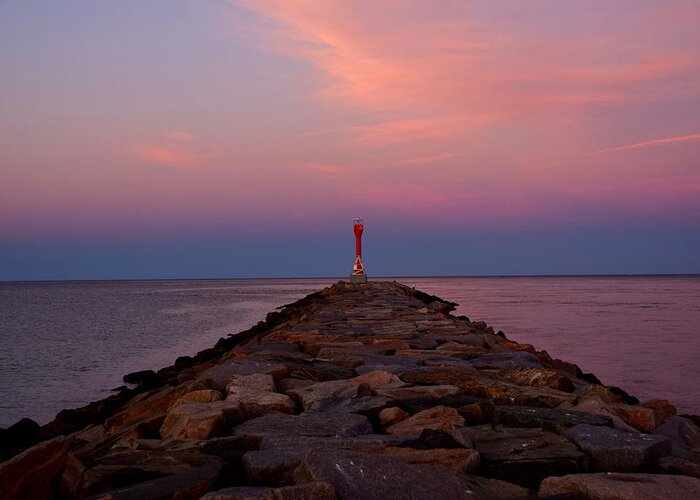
point(66, 344)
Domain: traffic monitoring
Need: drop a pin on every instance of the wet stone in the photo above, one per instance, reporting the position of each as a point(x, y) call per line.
point(313, 490)
point(618, 486)
point(423, 343)
point(547, 418)
point(306, 424)
point(440, 417)
point(524, 456)
point(418, 391)
point(355, 475)
point(190, 484)
point(272, 467)
point(221, 374)
point(618, 451)
point(507, 360)
point(194, 420)
point(681, 431)
point(33, 473)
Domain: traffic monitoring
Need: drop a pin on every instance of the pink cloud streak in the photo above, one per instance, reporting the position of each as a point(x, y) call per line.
point(646, 144)
point(166, 155)
point(423, 160)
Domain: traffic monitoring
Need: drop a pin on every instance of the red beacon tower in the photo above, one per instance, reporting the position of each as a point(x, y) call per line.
point(358, 269)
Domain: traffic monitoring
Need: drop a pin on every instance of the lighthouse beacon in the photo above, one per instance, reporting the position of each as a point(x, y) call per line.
point(358, 269)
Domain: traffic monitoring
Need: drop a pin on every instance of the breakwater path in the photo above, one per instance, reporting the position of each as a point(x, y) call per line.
point(360, 392)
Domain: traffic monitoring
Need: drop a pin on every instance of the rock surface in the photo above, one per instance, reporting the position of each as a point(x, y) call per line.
point(617, 486)
point(359, 392)
point(612, 450)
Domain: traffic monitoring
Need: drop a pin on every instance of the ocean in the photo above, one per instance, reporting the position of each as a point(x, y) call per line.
point(65, 344)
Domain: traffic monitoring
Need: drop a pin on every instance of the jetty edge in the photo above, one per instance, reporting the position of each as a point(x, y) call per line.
point(369, 391)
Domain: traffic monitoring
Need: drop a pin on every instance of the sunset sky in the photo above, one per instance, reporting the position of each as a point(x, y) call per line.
point(212, 138)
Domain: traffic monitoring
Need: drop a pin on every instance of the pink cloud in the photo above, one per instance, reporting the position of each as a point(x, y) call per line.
point(165, 154)
point(424, 160)
point(173, 149)
point(410, 55)
point(646, 144)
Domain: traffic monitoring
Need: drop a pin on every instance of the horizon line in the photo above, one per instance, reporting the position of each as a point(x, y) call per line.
point(346, 278)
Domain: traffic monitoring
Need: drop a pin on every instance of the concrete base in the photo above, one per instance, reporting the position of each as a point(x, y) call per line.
point(358, 278)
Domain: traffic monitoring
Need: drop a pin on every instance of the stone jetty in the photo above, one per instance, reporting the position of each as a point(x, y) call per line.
point(371, 391)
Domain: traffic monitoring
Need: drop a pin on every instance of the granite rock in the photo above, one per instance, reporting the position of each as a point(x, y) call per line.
point(615, 486)
point(440, 417)
point(611, 450)
point(355, 475)
point(524, 456)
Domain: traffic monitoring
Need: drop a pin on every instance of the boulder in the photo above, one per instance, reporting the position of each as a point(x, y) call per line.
point(323, 394)
point(389, 366)
point(259, 382)
point(538, 377)
point(418, 391)
point(318, 371)
point(440, 417)
point(641, 418)
point(365, 405)
point(512, 359)
point(594, 405)
point(662, 409)
point(313, 490)
point(439, 438)
point(244, 403)
point(614, 486)
point(448, 362)
point(376, 379)
point(202, 396)
point(680, 466)
point(355, 475)
point(564, 366)
point(416, 404)
point(423, 343)
point(681, 431)
point(306, 424)
point(495, 489)
point(143, 406)
point(287, 384)
point(221, 374)
point(366, 443)
point(122, 468)
point(228, 448)
point(272, 467)
point(440, 375)
point(188, 485)
point(601, 392)
point(240, 493)
point(17, 437)
point(611, 450)
point(474, 340)
point(547, 418)
point(194, 420)
point(505, 393)
point(35, 472)
point(146, 379)
point(524, 456)
point(459, 347)
point(391, 416)
point(460, 460)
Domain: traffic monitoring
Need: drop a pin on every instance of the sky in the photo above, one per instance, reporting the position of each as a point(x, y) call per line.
point(222, 139)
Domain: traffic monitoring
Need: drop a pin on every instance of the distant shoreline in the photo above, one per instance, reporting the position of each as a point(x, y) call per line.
point(335, 278)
